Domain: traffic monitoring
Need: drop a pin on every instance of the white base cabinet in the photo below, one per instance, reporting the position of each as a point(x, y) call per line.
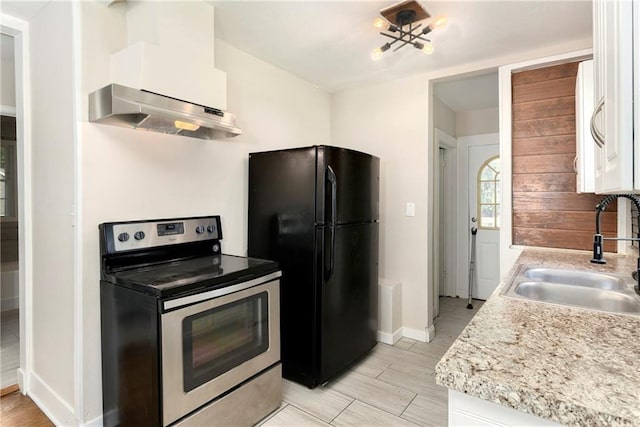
point(465, 410)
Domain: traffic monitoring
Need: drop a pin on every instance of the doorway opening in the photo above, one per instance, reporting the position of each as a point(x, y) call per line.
point(9, 259)
point(465, 114)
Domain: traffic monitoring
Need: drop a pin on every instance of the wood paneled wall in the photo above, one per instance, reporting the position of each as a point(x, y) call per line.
point(547, 211)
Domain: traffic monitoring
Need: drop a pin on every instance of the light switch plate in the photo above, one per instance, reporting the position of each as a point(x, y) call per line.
point(411, 209)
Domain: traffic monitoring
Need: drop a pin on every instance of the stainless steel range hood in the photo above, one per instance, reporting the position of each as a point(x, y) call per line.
point(138, 109)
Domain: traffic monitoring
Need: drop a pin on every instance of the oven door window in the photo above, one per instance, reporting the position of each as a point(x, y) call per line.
point(217, 340)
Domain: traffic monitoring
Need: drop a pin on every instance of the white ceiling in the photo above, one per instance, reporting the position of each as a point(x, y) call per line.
point(471, 93)
point(329, 42)
point(22, 9)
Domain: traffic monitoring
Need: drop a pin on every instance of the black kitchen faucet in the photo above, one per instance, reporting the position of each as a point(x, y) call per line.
point(598, 238)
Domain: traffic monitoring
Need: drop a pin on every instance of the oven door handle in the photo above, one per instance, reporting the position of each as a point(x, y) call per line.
point(192, 299)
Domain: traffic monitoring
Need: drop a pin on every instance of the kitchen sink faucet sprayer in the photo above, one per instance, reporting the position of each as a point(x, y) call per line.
point(598, 238)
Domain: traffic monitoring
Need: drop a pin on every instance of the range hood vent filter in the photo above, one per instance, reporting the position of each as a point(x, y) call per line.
point(138, 109)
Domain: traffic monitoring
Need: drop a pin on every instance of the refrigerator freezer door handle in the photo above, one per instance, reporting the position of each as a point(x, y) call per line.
point(331, 177)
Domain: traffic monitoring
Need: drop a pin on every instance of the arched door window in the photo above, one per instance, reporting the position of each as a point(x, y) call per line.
point(489, 194)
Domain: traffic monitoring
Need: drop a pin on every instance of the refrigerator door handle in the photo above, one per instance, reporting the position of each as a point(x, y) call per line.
point(331, 177)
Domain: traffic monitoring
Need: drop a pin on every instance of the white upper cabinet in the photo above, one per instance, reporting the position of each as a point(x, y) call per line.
point(585, 145)
point(636, 92)
point(613, 118)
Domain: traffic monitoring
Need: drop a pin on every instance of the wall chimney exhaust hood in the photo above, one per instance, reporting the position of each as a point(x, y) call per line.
point(139, 109)
point(165, 79)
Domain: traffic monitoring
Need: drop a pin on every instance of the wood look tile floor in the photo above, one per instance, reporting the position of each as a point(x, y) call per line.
point(392, 386)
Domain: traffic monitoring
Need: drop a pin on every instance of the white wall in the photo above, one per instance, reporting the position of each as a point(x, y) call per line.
point(130, 174)
point(104, 183)
point(275, 110)
point(477, 122)
point(7, 76)
point(53, 162)
point(368, 119)
point(444, 118)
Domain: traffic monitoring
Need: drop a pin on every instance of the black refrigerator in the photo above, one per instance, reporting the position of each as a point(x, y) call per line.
point(315, 211)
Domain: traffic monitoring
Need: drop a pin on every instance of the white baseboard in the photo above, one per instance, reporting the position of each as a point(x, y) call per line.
point(20, 379)
point(391, 339)
point(49, 402)
point(427, 335)
point(96, 422)
point(415, 334)
point(431, 333)
point(39, 399)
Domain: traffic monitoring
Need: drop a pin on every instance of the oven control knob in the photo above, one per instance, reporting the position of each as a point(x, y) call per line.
point(216, 248)
point(200, 229)
point(211, 228)
point(139, 235)
point(123, 237)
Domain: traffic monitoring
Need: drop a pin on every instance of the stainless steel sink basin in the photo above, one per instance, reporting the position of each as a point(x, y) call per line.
point(598, 291)
point(589, 279)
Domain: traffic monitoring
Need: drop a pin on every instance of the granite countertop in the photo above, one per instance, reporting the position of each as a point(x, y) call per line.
point(571, 365)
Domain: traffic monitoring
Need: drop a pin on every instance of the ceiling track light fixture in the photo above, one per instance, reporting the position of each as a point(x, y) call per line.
point(400, 23)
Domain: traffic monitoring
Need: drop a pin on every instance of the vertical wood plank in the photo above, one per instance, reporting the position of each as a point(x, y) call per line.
point(547, 211)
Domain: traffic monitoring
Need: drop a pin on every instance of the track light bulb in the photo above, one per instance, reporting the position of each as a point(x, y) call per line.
point(407, 36)
point(439, 22)
point(377, 53)
point(380, 23)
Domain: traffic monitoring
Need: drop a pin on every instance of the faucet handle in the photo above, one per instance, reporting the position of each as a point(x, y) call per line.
point(598, 257)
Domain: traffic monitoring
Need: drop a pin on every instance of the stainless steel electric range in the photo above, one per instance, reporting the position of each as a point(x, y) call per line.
point(190, 336)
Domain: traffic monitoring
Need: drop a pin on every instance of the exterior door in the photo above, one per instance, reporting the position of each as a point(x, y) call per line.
point(484, 214)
